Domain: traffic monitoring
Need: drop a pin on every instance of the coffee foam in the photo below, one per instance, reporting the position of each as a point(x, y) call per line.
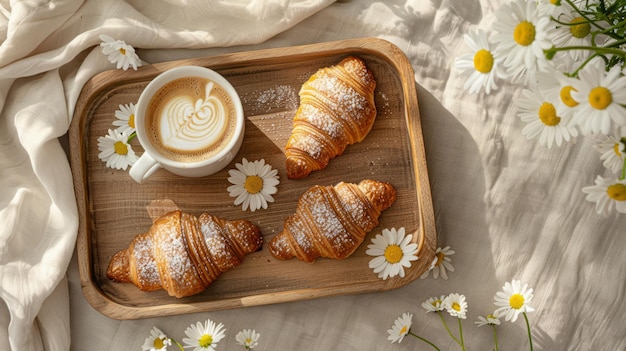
point(190, 119)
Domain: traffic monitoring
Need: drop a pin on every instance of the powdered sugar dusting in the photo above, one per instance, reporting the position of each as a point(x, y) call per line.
point(222, 255)
point(275, 97)
point(172, 249)
point(385, 105)
point(348, 103)
point(358, 68)
point(337, 109)
point(322, 120)
point(246, 236)
point(302, 240)
point(147, 271)
point(328, 223)
point(308, 142)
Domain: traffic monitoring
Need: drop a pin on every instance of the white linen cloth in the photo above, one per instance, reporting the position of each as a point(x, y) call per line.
point(510, 208)
point(49, 50)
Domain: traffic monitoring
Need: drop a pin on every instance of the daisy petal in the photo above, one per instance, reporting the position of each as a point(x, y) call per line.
point(257, 198)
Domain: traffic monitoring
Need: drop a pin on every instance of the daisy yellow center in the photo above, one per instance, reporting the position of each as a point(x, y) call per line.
point(555, 2)
point(547, 114)
point(393, 253)
point(455, 306)
point(158, 343)
point(579, 28)
point(566, 96)
point(524, 33)
point(436, 302)
point(483, 61)
point(205, 341)
point(248, 341)
point(131, 120)
point(122, 51)
point(403, 330)
point(617, 192)
point(440, 257)
point(491, 316)
point(616, 149)
point(253, 184)
point(120, 148)
point(516, 301)
point(600, 98)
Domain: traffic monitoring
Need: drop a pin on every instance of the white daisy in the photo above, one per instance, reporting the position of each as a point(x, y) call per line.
point(602, 97)
point(156, 341)
point(204, 337)
point(125, 118)
point(575, 32)
point(119, 52)
point(401, 327)
point(480, 66)
point(521, 37)
point(116, 151)
point(456, 305)
point(434, 304)
point(545, 117)
point(442, 263)
point(561, 85)
point(490, 319)
point(513, 300)
point(254, 183)
point(248, 338)
point(394, 251)
point(612, 150)
point(608, 193)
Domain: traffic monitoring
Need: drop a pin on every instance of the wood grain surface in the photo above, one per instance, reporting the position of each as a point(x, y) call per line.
point(113, 208)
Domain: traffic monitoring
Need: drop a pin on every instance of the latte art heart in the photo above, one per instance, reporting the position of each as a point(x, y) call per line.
point(191, 119)
point(190, 126)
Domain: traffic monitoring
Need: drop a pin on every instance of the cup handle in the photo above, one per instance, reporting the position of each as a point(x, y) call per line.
point(143, 168)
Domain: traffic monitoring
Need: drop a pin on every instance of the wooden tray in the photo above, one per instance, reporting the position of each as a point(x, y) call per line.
point(113, 208)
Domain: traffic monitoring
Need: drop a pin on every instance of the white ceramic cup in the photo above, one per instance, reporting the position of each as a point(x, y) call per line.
point(151, 160)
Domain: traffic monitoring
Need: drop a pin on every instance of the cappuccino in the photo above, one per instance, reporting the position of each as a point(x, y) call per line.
point(190, 119)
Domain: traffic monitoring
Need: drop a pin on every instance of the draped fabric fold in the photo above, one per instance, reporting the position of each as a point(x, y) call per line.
point(41, 74)
point(509, 207)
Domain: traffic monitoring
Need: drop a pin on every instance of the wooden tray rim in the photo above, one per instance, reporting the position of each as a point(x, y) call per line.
point(100, 82)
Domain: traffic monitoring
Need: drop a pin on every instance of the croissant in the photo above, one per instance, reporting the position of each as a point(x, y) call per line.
point(336, 110)
point(183, 254)
point(332, 221)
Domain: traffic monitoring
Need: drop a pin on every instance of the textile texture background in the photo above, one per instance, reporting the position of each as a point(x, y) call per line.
point(510, 208)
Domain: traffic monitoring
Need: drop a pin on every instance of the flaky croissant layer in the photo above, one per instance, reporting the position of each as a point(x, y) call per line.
point(332, 221)
point(183, 254)
point(336, 109)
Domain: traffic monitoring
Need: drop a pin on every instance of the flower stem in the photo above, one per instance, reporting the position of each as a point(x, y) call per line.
point(610, 29)
point(597, 49)
point(178, 344)
point(589, 20)
point(461, 334)
point(131, 137)
point(448, 329)
point(616, 43)
point(623, 176)
point(424, 340)
point(530, 338)
point(495, 337)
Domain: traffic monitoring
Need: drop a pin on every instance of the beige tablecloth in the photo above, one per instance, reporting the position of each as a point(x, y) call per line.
point(510, 208)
